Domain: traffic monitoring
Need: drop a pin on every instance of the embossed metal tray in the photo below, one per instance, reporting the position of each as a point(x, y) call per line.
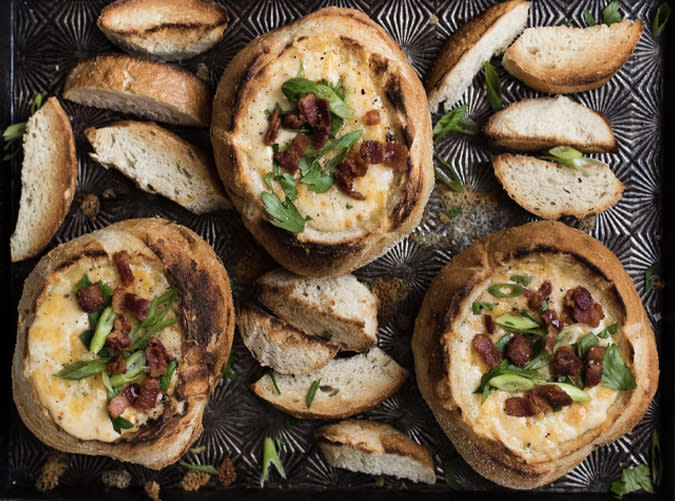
point(42, 39)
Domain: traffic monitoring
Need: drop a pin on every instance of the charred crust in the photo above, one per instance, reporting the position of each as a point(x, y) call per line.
point(318, 254)
point(249, 73)
point(351, 44)
point(395, 93)
point(379, 64)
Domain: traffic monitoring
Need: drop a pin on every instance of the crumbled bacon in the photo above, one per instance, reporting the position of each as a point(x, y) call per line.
point(529, 405)
point(136, 305)
point(118, 300)
point(518, 350)
point(316, 111)
point(346, 184)
point(320, 137)
point(117, 406)
point(371, 117)
point(579, 297)
point(293, 121)
point(122, 261)
point(582, 308)
point(147, 397)
point(536, 298)
point(157, 358)
point(566, 363)
point(117, 365)
point(552, 320)
point(273, 128)
point(593, 363)
point(371, 152)
point(290, 158)
point(121, 325)
point(539, 404)
point(487, 349)
point(131, 392)
point(591, 316)
point(554, 395)
point(489, 323)
point(396, 156)
point(90, 298)
point(118, 338)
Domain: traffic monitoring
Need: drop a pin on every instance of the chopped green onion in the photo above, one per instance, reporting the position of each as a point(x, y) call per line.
point(511, 383)
point(454, 121)
point(456, 183)
point(512, 290)
point(561, 339)
point(523, 279)
point(270, 456)
point(575, 393)
point(135, 363)
point(204, 468)
point(479, 306)
point(312, 392)
point(120, 424)
point(82, 369)
point(108, 386)
point(503, 341)
point(494, 88)
point(585, 343)
point(103, 328)
point(165, 381)
point(660, 19)
point(274, 383)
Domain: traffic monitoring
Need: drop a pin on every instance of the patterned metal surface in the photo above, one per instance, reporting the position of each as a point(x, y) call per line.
point(51, 36)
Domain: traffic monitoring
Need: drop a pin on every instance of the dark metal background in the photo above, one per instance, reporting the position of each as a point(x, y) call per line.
point(41, 39)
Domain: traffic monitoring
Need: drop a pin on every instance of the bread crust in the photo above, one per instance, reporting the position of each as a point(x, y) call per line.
point(181, 90)
point(298, 252)
point(207, 316)
point(61, 177)
point(462, 41)
point(195, 27)
point(454, 284)
point(602, 63)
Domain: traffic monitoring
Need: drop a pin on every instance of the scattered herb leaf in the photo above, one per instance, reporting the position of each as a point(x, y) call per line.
point(454, 121)
point(589, 18)
point(295, 87)
point(494, 88)
point(512, 290)
point(651, 274)
point(274, 383)
point(379, 482)
point(270, 456)
point(611, 14)
point(605, 333)
point(165, 380)
point(585, 343)
point(615, 374)
point(204, 468)
point(120, 424)
point(479, 306)
point(632, 480)
point(454, 212)
point(229, 371)
point(312, 392)
point(456, 183)
point(283, 215)
point(82, 369)
point(660, 19)
point(523, 279)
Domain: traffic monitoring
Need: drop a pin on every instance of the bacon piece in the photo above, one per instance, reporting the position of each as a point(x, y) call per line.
point(489, 323)
point(593, 363)
point(549, 342)
point(324, 115)
point(136, 305)
point(487, 349)
point(117, 365)
point(293, 121)
point(578, 297)
point(371, 152)
point(545, 289)
point(356, 164)
point(320, 137)
point(566, 363)
point(131, 392)
point(147, 397)
point(554, 395)
point(552, 320)
point(371, 117)
point(316, 111)
point(396, 156)
point(346, 184)
point(119, 300)
point(122, 261)
point(519, 407)
point(290, 158)
point(118, 338)
point(117, 406)
point(536, 298)
point(591, 316)
point(90, 298)
point(518, 350)
point(157, 357)
point(273, 128)
point(581, 308)
point(539, 404)
point(121, 325)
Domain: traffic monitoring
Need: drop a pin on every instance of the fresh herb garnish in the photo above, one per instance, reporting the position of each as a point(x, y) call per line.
point(379, 482)
point(103, 328)
point(568, 156)
point(301, 69)
point(13, 133)
point(120, 424)
point(165, 380)
point(326, 335)
point(84, 282)
point(135, 363)
point(611, 14)
point(520, 324)
point(449, 473)
point(544, 305)
point(229, 373)
point(454, 212)
point(274, 383)
point(204, 468)
point(82, 369)
point(494, 88)
point(561, 339)
point(349, 206)
point(284, 214)
point(651, 274)
point(270, 456)
point(523, 279)
point(506, 368)
point(585, 343)
point(454, 121)
point(295, 87)
point(479, 306)
point(321, 179)
point(512, 290)
point(605, 333)
point(456, 183)
point(312, 392)
point(503, 341)
point(656, 459)
point(615, 374)
point(660, 19)
point(589, 18)
point(632, 480)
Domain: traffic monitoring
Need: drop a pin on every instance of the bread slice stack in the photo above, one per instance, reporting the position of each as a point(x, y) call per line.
point(48, 179)
point(375, 448)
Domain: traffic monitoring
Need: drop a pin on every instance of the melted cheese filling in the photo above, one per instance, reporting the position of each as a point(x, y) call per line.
point(333, 211)
point(536, 438)
point(80, 407)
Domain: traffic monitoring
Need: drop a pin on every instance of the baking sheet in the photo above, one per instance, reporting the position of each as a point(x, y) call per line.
point(49, 37)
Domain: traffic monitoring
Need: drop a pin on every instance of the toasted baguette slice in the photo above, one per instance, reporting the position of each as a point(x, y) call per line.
point(159, 162)
point(562, 60)
point(347, 386)
point(375, 448)
point(551, 190)
point(470, 46)
point(169, 30)
point(539, 124)
point(277, 344)
point(144, 88)
point(48, 178)
point(341, 307)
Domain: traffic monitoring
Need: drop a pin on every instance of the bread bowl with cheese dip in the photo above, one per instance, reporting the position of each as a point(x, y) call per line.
point(532, 347)
point(122, 336)
point(322, 137)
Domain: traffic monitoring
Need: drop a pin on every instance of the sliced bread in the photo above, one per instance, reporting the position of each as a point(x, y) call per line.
point(551, 190)
point(341, 309)
point(375, 448)
point(539, 124)
point(146, 89)
point(277, 344)
point(159, 162)
point(48, 179)
point(346, 387)
point(562, 59)
point(169, 30)
point(470, 46)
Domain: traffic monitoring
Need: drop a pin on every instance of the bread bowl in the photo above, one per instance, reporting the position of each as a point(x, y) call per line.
point(362, 204)
point(523, 452)
point(163, 260)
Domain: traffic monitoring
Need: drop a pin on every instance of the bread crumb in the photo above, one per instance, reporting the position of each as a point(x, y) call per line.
point(194, 480)
point(198, 450)
point(57, 463)
point(152, 490)
point(434, 19)
point(226, 473)
point(390, 293)
point(116, 478)
point(90, 206)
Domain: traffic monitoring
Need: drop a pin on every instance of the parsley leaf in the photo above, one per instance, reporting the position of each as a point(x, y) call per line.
point(585, 343)
point(611, 14)
point(615, 374)
point(283, 215)
point(120, 424)
point(287, 183)
point(632, 480)
point(589, 19)
point(660, 19)
point(494, 88)
point(454, 121)
point(295, 87)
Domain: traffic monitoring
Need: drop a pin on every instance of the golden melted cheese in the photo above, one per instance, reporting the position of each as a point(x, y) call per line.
point(80, 407)
point(536, 438)
point(326, 57)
